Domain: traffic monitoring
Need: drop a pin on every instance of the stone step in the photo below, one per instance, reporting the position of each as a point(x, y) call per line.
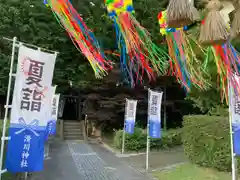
point(72, 124)
point(72, 127)
point(73, 137)
point(72, 133)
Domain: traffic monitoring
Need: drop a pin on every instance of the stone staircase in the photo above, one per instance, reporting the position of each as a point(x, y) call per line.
point(72, 130)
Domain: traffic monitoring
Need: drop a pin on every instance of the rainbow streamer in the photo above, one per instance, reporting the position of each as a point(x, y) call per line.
point(82, 37)
point(139, 55)
point(227, 61)
point(184, 63)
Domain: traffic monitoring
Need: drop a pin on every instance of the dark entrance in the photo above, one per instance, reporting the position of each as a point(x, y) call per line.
point(70, 105)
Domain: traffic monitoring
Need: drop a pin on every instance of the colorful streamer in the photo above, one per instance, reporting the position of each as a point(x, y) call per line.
point(227, 60)
point(139, 55)
point(82, 37)
point(184, 63)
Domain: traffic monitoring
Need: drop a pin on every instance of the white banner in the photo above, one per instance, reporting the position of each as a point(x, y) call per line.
point(53, 89)
point(61, 107)
point(55, 103)
point(154, 113)
point(130, 115)
point(31, 109)
point(32, 89)
point(234, 103)
point(51, 126)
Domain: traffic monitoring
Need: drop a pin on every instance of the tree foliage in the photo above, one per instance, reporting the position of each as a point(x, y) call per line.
point(32, 22)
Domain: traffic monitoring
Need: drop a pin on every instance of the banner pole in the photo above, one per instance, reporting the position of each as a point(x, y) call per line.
point(123, 138)
point(124, 126)
point(7, 105)
point(234, 174)
point(47, 155)
point(147, 148)
point(25, 175)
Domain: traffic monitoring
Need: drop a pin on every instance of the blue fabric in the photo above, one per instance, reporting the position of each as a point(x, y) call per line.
point(25, 151)
point(129, 127)
point(127, 75)
point(51, 128)
point(154, 128)
point(236, 139)
point(45, 2)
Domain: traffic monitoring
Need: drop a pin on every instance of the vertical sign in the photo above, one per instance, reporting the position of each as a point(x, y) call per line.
point(51, 127)
point(30, 110)
point(234, 99)
point(61, 107)
point(130, 115)
point(154, 113)
point(49, 119)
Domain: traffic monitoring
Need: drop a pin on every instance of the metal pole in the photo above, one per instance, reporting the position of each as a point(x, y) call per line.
point(148, 143)
point(124, 126)
point(165, 111)
point(234, 166)
point(7, 105)
point(148, 147)
point(123, 137)
point(25, 176)
point(47, 154)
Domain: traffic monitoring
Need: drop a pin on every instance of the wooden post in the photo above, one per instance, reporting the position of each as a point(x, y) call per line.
point(85, 131)
point(61, 129)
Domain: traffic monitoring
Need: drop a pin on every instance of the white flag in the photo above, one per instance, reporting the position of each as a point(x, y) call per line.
point(130, 115)
point(32, 90)
point(32, 102)
point(55, 103)
point(154, 113)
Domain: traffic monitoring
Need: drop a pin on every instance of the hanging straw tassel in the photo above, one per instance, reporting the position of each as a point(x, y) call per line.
point(236, 22)
point(214, 29)
point(181, 13)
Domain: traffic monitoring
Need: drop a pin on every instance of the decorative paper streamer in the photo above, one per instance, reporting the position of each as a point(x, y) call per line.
point(227, 61)
point(184, 63)
point(82, 37)
point(139, 55)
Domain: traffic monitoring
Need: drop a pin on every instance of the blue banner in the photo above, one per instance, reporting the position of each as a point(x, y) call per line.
point(154, 113)
point(31, 108)
point(236, 139)
point(130, 115)
point(52, 123)
point(234, 112)
point(25, 151)
point(51, 127)
point(154, 128)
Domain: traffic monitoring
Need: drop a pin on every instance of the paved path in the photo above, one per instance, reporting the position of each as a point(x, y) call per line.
point(79, 161)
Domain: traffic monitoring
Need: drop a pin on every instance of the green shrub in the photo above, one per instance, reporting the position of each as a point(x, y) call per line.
point(137, 141)
point(206, 141)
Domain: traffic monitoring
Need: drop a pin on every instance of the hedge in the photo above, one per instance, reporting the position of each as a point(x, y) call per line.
point(206, 141)
point(137, 141)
